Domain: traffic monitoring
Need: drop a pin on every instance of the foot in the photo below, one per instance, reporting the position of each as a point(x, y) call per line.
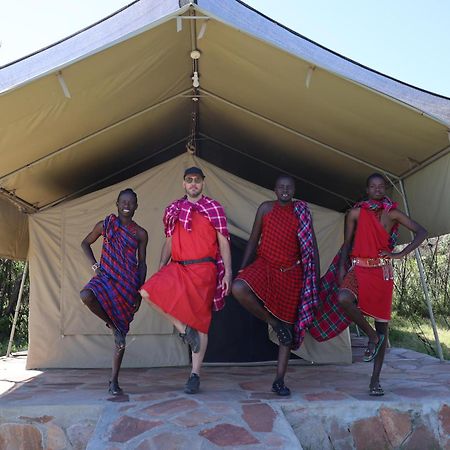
point(119, 338)
point(114, 388)
point(192, 384)
point(280, 389)
point(284, 334)
point(373, 348)
point(191, 337)
point(376, 390)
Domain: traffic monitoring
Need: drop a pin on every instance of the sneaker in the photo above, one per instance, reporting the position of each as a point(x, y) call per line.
point(191, 337)
point(192, 384)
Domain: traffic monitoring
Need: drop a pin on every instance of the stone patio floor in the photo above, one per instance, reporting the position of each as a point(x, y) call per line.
point(71, 408)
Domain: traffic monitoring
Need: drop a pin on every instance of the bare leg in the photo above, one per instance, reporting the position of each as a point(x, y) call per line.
point(180, 326)
point(90, 300)
point(382, 328)
point(245, 296)
point(284, 352)
point(348, 304)
point(116, 363)
point(197, 358)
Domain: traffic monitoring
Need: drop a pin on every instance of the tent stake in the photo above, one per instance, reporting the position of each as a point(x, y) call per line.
point(424, 282)
point(16, 313)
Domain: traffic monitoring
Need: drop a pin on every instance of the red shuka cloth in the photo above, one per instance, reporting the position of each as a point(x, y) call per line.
point(187, 292)
point(278, 248)
point(374, 293)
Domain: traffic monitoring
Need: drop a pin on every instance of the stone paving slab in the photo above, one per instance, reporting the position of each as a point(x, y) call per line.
point(329, 407)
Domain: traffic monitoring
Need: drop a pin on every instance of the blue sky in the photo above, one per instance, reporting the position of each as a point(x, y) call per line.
point(406, 39)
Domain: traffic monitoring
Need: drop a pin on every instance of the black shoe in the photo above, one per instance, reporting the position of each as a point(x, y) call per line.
point(191, 337)
point(192, 384)
point(280, 389)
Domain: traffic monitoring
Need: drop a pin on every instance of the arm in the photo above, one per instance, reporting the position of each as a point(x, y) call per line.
point(142, 263)
point(225, 253)
point(420, 234)
point(253, 240)
point(166, 252)
point(142, 254)
point(88, 241)
point(351, 221)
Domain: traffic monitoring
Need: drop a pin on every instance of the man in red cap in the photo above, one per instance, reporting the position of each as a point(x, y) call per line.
point(195, 268)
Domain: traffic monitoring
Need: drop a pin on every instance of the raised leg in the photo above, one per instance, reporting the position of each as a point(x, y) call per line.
point(348, 303)
point(246, 297)
point(90, 300)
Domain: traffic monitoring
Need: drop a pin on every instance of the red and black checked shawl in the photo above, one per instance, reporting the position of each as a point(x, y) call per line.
point(309, 298)
point(330, 319)
point(117, 286)
point(181, 210)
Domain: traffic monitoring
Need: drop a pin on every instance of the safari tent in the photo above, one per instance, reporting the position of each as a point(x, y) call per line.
point(133, 99)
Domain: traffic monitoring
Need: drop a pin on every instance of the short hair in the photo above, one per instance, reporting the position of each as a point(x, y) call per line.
point(375, 175)
point(127, 191)
point(285, 176)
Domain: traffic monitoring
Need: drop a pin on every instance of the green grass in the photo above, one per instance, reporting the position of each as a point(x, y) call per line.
point(407, 334)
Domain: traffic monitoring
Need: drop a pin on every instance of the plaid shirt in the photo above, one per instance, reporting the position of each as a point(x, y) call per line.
point(309, 299)
point(181, 211)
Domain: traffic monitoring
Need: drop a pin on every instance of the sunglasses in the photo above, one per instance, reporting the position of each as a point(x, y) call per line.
point(196, 180)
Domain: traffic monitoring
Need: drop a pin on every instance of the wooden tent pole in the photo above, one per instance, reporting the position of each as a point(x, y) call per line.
point(424, 282)
point(16, 313)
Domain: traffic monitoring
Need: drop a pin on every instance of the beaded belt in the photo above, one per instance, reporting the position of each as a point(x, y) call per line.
point(385, 263)
point(186, 262)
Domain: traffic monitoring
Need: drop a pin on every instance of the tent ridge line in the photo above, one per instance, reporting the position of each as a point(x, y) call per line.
point(343, 197)
point(301, 135)
point(66, 197)
point(94, 134)
point(426, 163)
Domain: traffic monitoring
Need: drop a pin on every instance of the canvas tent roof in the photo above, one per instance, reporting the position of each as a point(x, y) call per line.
point(116, 99)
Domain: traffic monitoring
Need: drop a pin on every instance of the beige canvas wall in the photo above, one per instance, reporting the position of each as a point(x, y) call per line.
point(63, 333)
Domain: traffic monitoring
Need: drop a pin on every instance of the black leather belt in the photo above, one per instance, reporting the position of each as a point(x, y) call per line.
point(186, 262)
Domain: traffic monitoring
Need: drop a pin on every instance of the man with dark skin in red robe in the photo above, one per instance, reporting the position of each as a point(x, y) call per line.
point(366, 290)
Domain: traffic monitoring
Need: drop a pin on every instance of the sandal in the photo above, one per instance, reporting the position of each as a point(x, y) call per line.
point(369, 354)
point(191, 337)
point(280, 389)
point(115, 389)
point(376, 391)
point(284, 334)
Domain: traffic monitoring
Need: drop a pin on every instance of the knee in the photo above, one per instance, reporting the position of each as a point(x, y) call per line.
point(345, 299)
point(238, 290)
point(86, 296)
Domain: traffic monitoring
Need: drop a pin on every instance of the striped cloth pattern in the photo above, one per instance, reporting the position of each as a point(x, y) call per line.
point(181, 210)
point(117, 286)
point(309, 295)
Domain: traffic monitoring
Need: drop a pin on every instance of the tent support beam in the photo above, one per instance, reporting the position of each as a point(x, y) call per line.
point(96, 133)
point(300, 135)
point(73, 194)
point(445, 151)
point(16, 312)
point(272, 166)
point(424, 282)
point(21, 204)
